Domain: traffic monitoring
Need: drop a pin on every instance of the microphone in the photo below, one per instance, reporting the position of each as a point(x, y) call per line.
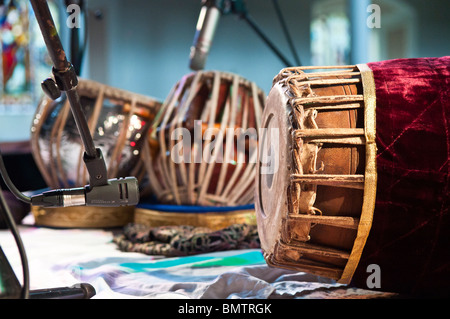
point(206, 27)
point(117, 192)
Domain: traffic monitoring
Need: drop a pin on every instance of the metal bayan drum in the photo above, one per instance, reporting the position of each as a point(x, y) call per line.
point(348, 187)
point(118, 121)
point(203, 145)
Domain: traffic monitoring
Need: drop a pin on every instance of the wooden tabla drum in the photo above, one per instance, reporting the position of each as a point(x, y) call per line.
point(119, 122)
point(203, 144)
point(353, 178)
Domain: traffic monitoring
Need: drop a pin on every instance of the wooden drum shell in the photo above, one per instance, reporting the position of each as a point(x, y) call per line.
point(308, 217)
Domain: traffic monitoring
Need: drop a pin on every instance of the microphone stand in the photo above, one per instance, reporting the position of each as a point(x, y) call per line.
point(65, 79)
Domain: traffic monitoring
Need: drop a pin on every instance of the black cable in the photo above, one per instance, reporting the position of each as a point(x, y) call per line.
point(75, 56)
point(256, 28)
point(286, 31)
point(12, 224)
point(25, 293)
point(78, 42)
point(238, 7)
point(3, 171)
point(83, 47)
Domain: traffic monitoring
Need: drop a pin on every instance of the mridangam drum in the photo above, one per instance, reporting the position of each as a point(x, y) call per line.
point(119, 122)
point(353, 181)
point(203, 150)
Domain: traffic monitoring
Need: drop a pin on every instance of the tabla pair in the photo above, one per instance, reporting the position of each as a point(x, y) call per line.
point(139, 136)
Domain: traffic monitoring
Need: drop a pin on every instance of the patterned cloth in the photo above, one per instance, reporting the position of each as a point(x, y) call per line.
point(173, 241)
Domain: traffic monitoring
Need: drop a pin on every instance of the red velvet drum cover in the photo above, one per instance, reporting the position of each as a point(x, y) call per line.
point(409, 240)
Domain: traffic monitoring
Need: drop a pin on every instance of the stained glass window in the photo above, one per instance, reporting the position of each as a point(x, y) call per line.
point(24, 61)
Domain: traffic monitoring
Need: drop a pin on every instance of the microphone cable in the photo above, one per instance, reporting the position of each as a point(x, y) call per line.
point(9, 183)
point(25, 292)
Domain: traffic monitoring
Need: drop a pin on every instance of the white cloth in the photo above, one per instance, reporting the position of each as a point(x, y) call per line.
point(65, 257)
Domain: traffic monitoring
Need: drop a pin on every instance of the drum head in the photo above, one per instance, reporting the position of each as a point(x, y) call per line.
point(273, 173)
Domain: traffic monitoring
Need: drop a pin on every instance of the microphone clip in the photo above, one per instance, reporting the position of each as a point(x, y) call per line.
point(96, 168)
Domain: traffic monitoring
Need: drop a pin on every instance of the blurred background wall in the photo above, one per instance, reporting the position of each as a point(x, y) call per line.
point(143, 45)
